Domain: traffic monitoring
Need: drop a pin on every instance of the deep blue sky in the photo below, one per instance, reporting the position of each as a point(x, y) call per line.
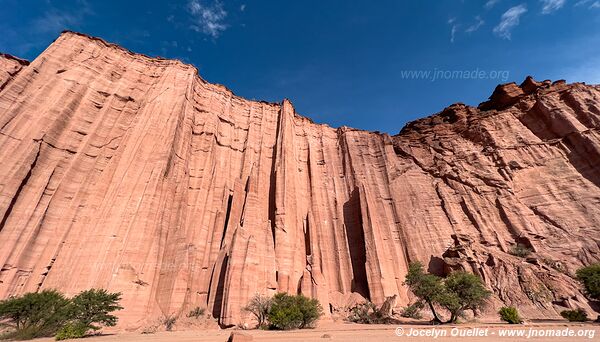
point(340, 62)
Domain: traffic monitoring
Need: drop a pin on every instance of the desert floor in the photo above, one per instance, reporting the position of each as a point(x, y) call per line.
point(375, 333)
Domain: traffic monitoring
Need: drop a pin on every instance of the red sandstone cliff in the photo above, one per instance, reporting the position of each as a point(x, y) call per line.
point(133, 174)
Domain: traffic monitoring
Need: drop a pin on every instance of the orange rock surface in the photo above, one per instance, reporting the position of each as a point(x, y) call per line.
point(134, 174)
point(9, 67)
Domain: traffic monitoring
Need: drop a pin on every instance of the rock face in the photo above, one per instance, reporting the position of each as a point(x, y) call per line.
point(133, 174)
point(9, 67)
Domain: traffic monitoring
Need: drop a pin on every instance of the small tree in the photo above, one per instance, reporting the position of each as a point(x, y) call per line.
point(459, 292)
point(590, 279)
point(49, 312)
point(259, 307)
point(428, 287)
point(35, 314)
point(293, 312)
point(464, 291)
point(510, 314)
point(93, 307)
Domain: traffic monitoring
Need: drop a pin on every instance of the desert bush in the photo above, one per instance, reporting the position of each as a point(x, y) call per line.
point(510, 314)
point(169, 322)
point(413, 311)
point(360, 313)
point(284, 313)
point(28, 333)
point(259, 307)
point(578, 315)
point(363, 313)
point(152, 329)
point(71, 331)
point(368, 313)
point(590, 279)
point(197, 312)
point(311, 311)
point(520, 250)
point(92, 309)
point(49, 312)
point(35, 315)
point(460, 291)
point(293, 312)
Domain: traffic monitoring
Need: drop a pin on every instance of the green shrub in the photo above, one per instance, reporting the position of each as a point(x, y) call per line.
point(590, 279)
point(510, 314)
point(286, 318)
point(293, 312)
point(72, 330)
point(35, 314)
point(520, 250)
point(413, 311)
point(311, 311)
point(578, 315)
point(196, 313)
point(93, 307)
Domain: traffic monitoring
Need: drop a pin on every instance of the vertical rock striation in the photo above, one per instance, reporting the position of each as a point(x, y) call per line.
point(134, 174)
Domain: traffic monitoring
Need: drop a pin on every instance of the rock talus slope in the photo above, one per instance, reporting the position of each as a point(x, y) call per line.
point(134, 174)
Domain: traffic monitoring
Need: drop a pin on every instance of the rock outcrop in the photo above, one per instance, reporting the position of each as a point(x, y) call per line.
point(9, 67)
point(134, 174)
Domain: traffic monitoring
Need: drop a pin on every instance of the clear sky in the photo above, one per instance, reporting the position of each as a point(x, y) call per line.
point(362, 64)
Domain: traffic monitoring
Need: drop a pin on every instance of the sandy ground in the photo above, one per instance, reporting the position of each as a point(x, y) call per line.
point(378, 333)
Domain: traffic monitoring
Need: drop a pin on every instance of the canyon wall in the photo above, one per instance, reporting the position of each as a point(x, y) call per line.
point(134, 174)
